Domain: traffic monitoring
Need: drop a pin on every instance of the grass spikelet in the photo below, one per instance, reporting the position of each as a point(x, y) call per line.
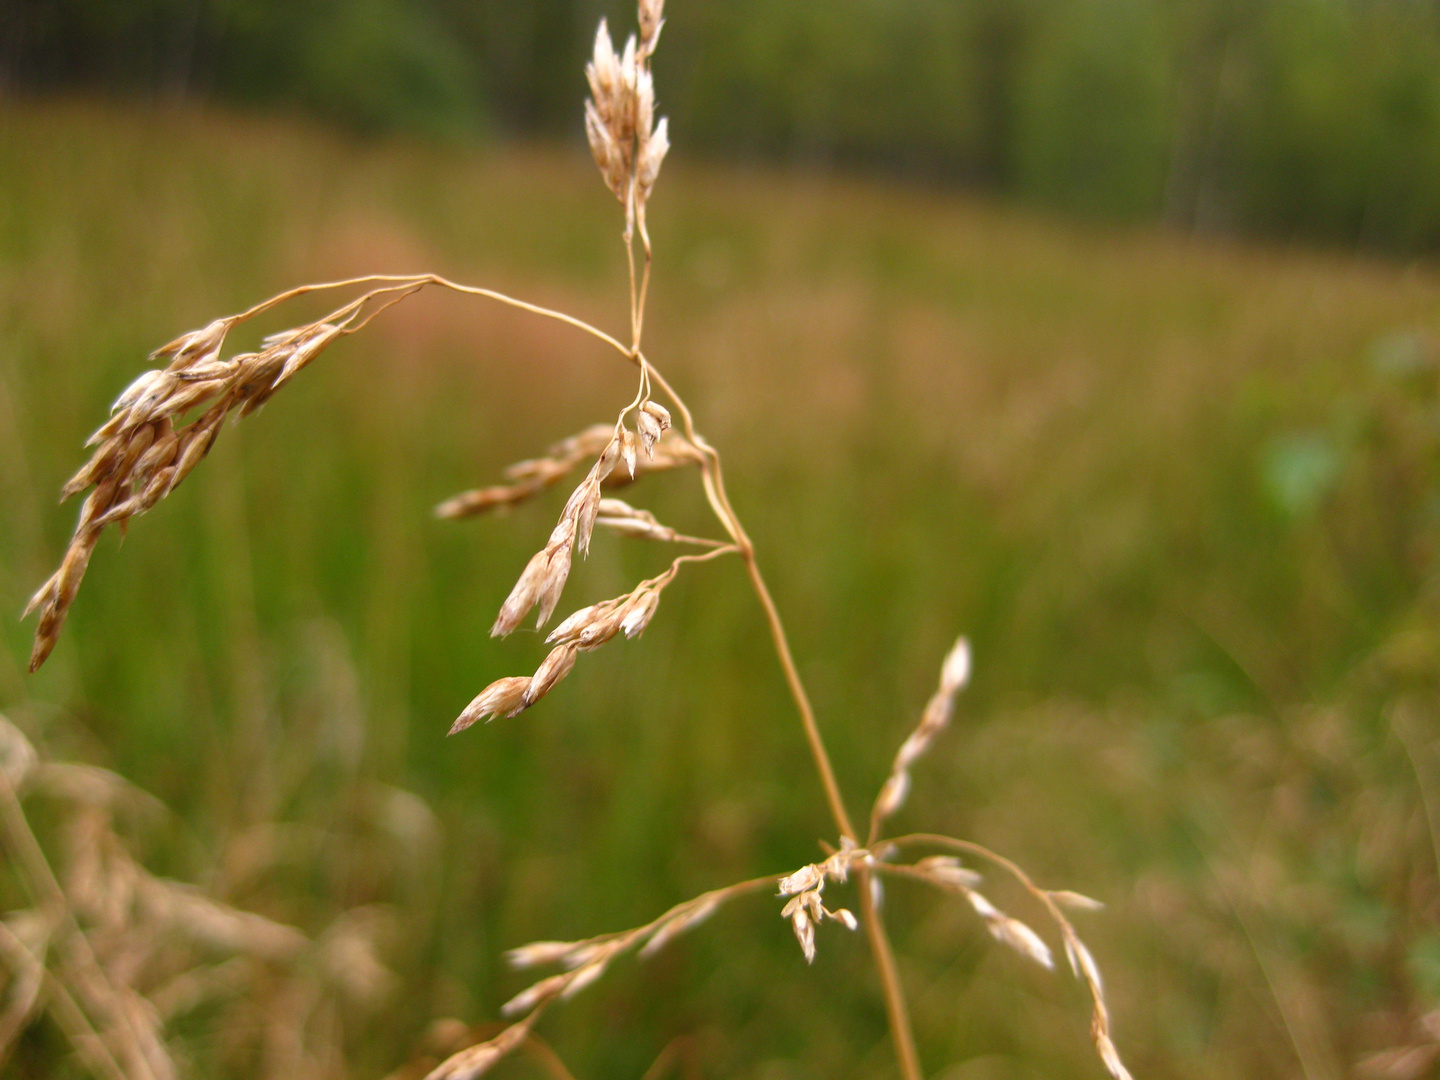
point(954, 674)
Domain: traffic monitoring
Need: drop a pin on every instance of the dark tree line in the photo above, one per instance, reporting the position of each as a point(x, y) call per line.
point(1314, 118)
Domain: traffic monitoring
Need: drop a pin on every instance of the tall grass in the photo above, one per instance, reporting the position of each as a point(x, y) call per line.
point(1179, 494)
point(166, 422)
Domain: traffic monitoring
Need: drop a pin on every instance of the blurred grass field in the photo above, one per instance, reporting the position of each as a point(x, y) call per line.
point(1183, 496)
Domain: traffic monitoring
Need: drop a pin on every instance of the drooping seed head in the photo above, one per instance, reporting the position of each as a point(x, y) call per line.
point(528, 998)
point(1077, 901)
point(574, 623)
point(1022, 939)
point(522, 597)
point(557, 571)
point(555, 667)
point(1110, 1056)
point(586, 510)
point(650, 431)
point(628, 451)
point(504, 697)
point(804, 933)
point(584, 976)
point(638, 617)
point(196, 347)
point(674, 927)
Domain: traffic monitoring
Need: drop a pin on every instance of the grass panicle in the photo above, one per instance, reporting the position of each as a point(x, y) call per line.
point(165, 423)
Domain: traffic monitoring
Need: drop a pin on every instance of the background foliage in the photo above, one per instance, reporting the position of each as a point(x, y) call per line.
point(1306, 118)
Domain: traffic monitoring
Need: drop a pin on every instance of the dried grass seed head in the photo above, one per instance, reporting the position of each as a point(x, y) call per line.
point(802, 880)
point(538, 953)
point(533, 475)
point(627, 144)
point(476, 1061)
point(1010, 931)
point(544, 990)
point(892, 794)
point(1075, 901)
point(804, 932)
point(1082, 963)
point(639, 613)
point(543, 579)
point(584, 976)
point(603, 74)
point(140, 457)
point(196, 346)
point(805, 908)
point(947, 871)
point(555, 667)
point(504, 697)
point(955, 671)
point(954, 674)
point(674, 927)
point(592, 626)
point(557, 572)
point(522, 596)
point(1110, 1056)
point(651, 421)
point(652, 19)
point(652, 156)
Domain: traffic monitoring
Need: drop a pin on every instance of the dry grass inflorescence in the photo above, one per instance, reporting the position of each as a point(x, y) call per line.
point(118, 956)
point(160, 429)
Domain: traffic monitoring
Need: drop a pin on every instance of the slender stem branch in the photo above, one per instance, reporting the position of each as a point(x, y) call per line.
point(664, 1059)
point(895, 1009)
point(802, 700)
point(1010, 867)
point(41, 880)
point(634, 298)
point(535, 309)
point(713, 553)
point(68, 1015)
point(702, 541)
point(722, 895)
point(640, 300)
point(713, 481)
point(401, 281)
point(403, 293)
point(550, 1061)
point(305, 290)
point(972, 848)
point(714, 484)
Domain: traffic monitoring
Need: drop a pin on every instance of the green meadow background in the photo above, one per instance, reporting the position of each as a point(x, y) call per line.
point(1182, 492)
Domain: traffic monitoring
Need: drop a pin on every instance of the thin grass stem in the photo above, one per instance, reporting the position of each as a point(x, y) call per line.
point(41, 880)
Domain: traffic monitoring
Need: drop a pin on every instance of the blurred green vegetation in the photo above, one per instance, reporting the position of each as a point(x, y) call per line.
point(1289, 118)
point(1184, 497)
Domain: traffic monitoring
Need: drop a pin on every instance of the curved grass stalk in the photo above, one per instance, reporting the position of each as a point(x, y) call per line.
point(142, 456)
